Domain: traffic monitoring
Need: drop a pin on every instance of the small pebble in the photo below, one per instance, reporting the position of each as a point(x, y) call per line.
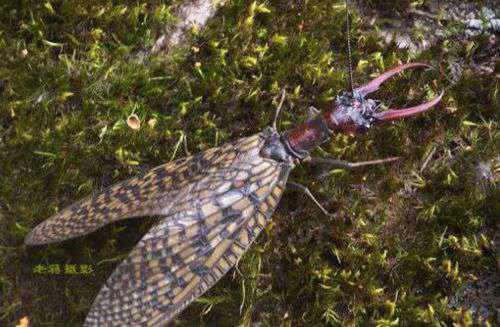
point(494, 25)
point(487, 13)
point(474, 27)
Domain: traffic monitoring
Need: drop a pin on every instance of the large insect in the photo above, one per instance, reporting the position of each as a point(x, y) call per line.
point(214, 204)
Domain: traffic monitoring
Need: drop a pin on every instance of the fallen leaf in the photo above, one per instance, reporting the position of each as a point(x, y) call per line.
point(24, 322)
point(134, 122)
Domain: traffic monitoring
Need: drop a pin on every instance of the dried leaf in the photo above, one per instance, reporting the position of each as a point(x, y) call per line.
point(24, 322)
point(134, 122)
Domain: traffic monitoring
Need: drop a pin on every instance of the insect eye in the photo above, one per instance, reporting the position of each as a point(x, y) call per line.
point(274, 148)
point(275, 152)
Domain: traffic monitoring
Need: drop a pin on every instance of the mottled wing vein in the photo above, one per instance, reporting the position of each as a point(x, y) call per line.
point(149, 194)
point(194, 246)
point(215, 204)
point(211, 218)
point(185, 251)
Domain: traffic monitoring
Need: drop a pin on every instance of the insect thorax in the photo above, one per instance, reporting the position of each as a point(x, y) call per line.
point(275, 148)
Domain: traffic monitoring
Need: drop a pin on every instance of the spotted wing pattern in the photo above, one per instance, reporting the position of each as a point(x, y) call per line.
point(212, 223)
point(150, 194)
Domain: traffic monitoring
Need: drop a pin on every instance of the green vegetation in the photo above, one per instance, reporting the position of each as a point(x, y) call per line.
point(407, 239)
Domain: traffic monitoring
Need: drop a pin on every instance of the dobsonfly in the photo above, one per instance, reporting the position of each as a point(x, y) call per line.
point(214, 204)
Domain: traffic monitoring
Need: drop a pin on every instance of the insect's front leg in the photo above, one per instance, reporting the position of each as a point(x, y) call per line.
point(347, 164)
point(337, 163)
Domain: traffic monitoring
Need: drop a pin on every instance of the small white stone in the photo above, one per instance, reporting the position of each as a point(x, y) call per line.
point(494, 25)
point(487, 13)
point(474, 24)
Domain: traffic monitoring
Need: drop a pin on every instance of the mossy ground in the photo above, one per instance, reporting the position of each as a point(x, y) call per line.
point(405, 239)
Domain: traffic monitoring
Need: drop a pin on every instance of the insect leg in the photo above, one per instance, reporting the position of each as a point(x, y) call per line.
point(306, 190)
point(312, 112)
point(350, 165)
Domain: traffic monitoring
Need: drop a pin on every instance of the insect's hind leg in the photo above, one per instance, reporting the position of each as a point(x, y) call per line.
point(306, 190)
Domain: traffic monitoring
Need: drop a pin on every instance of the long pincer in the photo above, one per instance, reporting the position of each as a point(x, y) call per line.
point(396, 113)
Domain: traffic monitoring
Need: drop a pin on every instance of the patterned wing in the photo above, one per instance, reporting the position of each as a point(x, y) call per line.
point(202, 237)
point(150, 194)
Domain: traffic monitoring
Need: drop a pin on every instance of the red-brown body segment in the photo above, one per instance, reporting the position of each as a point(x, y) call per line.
point(308, 135)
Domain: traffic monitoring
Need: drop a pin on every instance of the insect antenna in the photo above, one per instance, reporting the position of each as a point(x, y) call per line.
point(349, 54)
point(278, 110)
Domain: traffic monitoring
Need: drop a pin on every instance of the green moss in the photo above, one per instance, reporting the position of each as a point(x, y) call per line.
point(405, 238)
